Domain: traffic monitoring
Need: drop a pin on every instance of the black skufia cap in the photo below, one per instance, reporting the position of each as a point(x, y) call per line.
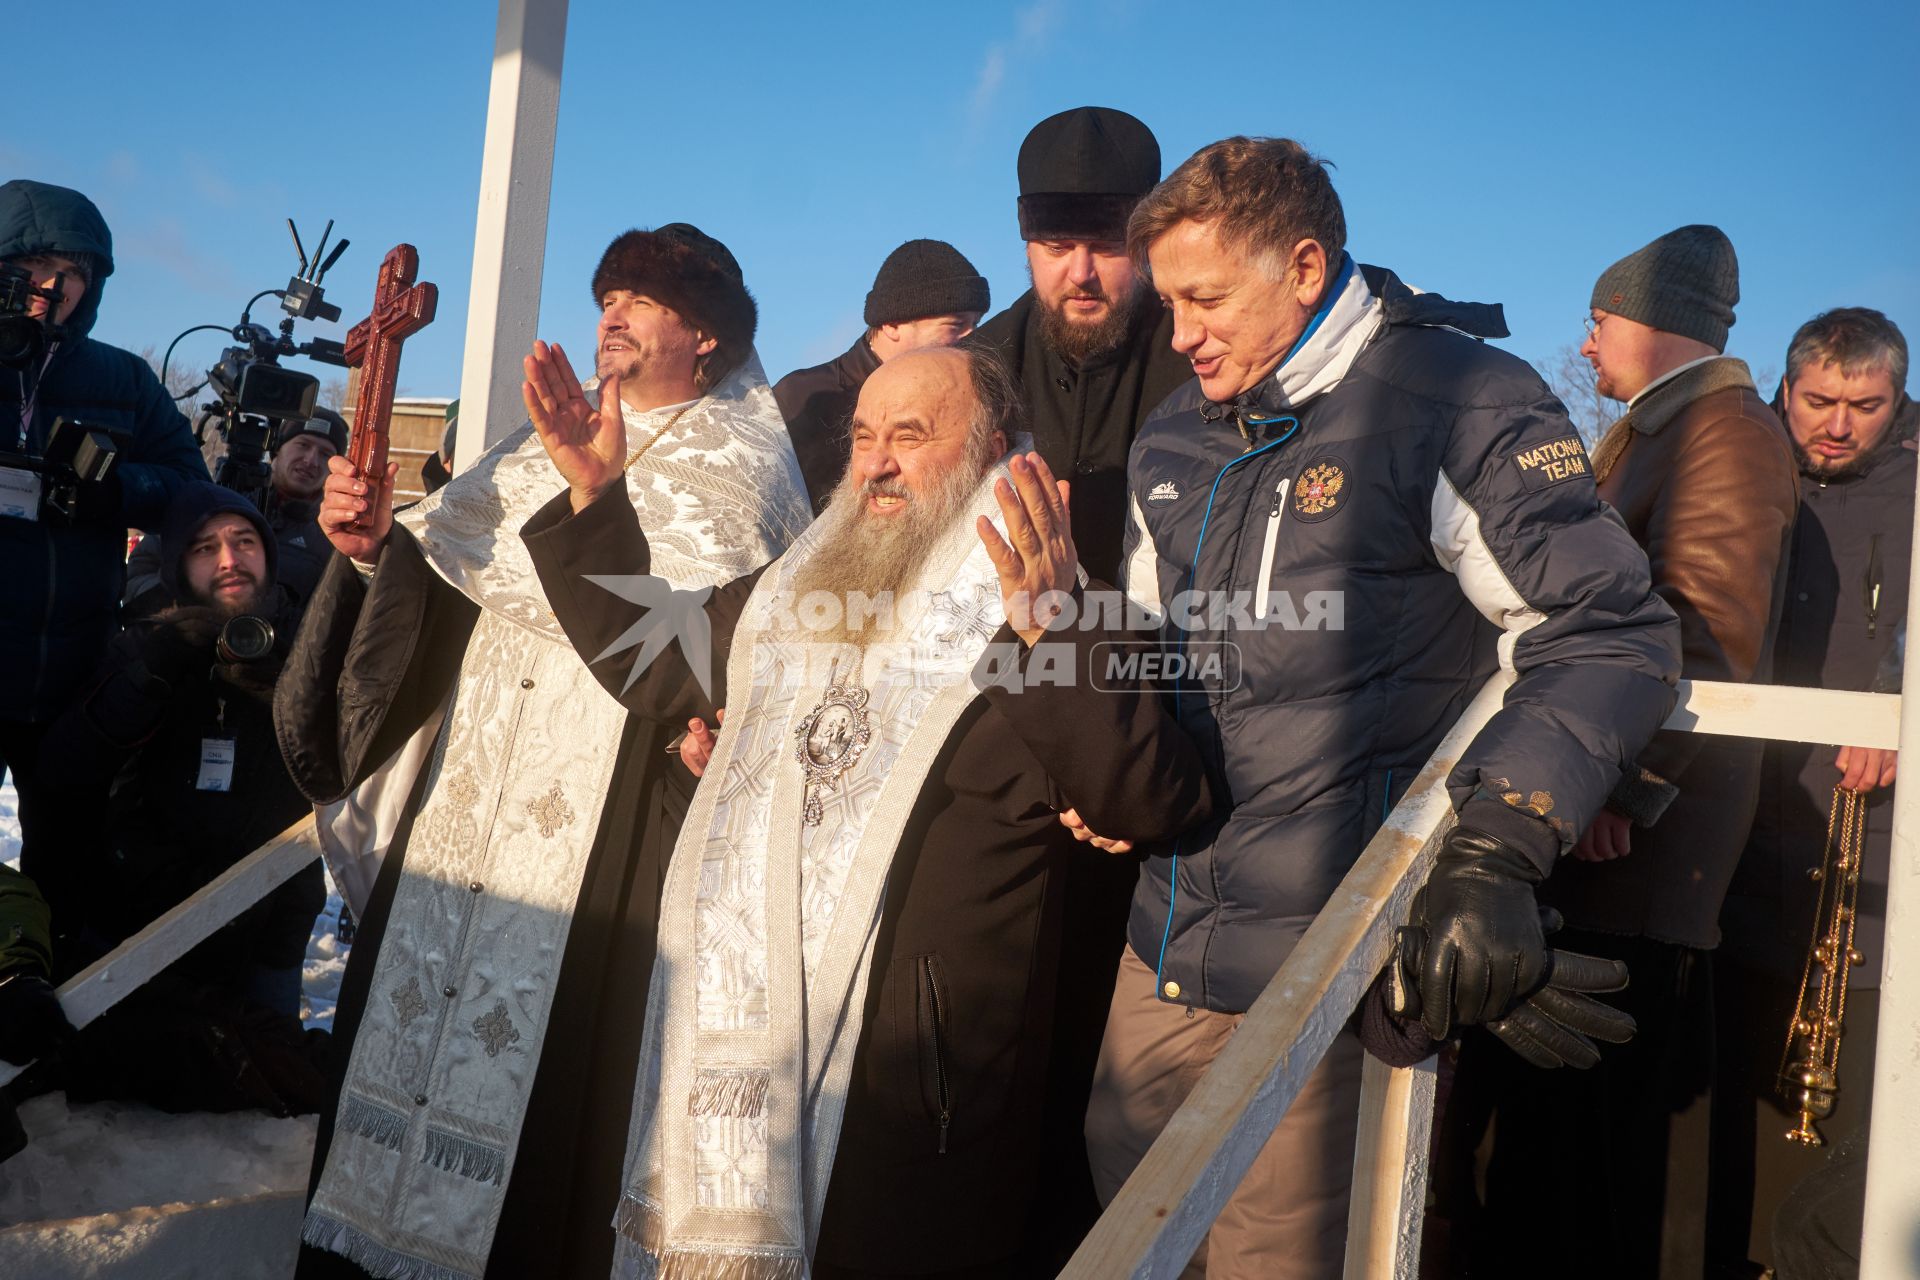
point(1082, 172)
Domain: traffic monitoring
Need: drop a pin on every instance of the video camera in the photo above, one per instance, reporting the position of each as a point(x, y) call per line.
point(253, 392)
point(60, 484)
point(23, 336)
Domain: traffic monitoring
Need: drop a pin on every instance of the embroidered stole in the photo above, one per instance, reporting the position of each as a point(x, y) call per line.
point(430, 1116)
point(767, 926)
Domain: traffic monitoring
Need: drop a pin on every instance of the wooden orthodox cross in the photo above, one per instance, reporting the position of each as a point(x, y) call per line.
point(400, 307)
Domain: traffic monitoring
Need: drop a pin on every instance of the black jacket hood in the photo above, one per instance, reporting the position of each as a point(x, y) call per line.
point(189, 512)
point(37, 217)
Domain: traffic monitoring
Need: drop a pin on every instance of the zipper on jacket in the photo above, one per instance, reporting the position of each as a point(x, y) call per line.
point(938, 1016)
point(1275, 514)
point(1872, 587)
point(1193, 571)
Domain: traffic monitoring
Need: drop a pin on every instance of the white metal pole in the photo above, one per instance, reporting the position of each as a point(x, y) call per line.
point(510, 233)
point(1890, 1242)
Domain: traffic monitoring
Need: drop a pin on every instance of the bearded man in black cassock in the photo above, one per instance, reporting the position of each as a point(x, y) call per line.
point(495, 996)
point(851, 1016)
point(1091, 347)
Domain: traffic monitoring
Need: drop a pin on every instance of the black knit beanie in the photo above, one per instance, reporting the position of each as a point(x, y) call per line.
point(1686, 282)
point(925, 278)
point(324, 422)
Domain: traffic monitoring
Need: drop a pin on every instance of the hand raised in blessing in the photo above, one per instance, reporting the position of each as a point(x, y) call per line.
point(1037, 556)
point(588, 446)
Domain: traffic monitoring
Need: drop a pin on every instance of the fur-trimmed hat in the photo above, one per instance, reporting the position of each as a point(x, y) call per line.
point(693, 273)
point(1082, 172)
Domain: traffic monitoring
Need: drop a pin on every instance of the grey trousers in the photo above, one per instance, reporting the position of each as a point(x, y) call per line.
point(1288, 1220)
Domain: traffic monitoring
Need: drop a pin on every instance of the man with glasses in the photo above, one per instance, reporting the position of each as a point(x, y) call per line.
point(1704, 476)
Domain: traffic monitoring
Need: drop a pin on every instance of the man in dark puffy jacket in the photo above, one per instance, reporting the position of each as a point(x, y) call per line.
point(164, 774)
point(1353, 491)
point(63, 573)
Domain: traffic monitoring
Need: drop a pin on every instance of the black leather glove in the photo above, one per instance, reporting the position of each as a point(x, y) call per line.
point(32, 1023)
point(1484, 950)
point(1554, 1026)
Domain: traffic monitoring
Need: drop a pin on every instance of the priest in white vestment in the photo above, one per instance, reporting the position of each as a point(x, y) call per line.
point(850, 1013)
point(495, 996)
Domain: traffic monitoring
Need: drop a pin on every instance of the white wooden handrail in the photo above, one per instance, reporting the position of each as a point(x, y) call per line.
point(110, 979)
point(1186, 1177)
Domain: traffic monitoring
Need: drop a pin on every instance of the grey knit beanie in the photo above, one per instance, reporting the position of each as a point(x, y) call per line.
point(925, 278)
point(1686, 282)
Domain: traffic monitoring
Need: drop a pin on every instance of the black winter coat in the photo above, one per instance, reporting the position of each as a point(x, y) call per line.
point(1084, 418)
point(818, 404)
point(127, 830)
point(63, 583)
point(1846, 597)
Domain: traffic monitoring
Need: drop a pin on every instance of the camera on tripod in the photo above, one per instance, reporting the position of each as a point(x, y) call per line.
point(253, 393)
point(23, 335)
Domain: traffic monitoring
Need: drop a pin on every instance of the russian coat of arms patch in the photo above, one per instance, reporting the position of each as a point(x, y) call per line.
point(1317, 493)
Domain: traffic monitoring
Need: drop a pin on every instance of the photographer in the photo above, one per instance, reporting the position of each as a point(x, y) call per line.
point(299, 470)
point(62, 542)
point(165, 774)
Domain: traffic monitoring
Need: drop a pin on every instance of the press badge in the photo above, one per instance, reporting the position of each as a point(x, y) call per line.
point(19, 494)
point(216, 765)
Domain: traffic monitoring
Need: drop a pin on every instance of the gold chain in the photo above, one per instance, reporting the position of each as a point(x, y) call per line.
point(655, 437)
point(1813, 1078)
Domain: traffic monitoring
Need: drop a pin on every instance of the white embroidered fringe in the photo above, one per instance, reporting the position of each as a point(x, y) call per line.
point(465, 1157)
point(716, 1092)
point(637, 1255)
point(376, 1259)
point(372, 1121)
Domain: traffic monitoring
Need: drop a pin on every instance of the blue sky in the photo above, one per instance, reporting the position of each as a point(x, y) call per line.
point(1495, 152)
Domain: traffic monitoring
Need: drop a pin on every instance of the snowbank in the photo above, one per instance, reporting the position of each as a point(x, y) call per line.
point(111, 1181)
point(109, 1156)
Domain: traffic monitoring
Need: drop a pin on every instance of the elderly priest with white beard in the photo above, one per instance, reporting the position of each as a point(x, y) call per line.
point(849, 1018)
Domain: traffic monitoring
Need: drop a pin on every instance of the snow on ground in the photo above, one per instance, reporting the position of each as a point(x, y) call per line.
point(107, 1157)
point(326, 962)
point(9, 821)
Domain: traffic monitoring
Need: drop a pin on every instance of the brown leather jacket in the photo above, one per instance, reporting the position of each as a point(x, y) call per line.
point(1704, 476)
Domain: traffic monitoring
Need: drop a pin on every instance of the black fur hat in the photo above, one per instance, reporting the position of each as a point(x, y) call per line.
point(1082, 172)
point(693, 273)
